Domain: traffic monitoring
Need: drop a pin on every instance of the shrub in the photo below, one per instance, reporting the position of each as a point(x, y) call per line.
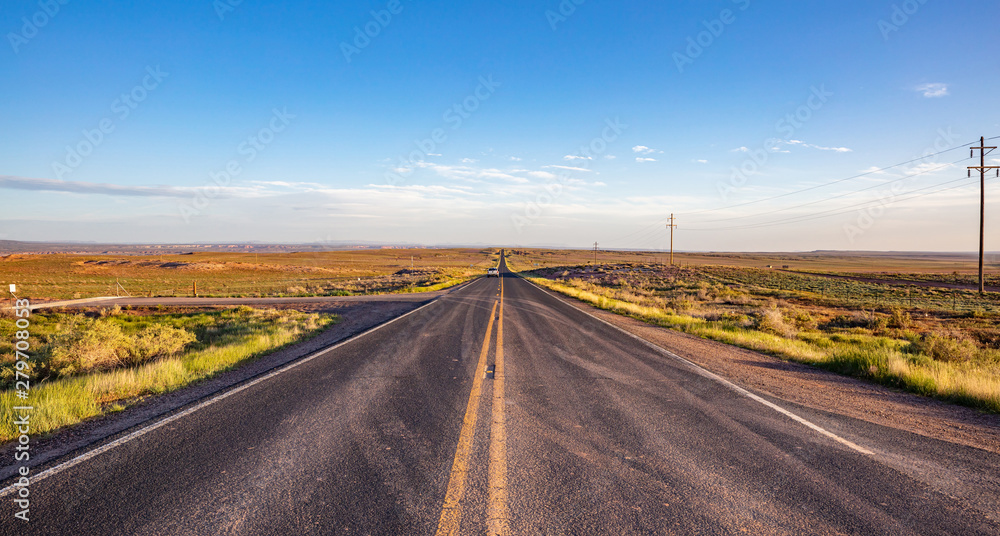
point(95, 345)
point(990, 338)
point(900, 319)
point(771, 320)
point(158, 341)
point(943, 348)
point(853, 320)
point(802, 320)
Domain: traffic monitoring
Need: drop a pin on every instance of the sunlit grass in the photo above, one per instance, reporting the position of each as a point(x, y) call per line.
point(878, 358)
point(68, 400)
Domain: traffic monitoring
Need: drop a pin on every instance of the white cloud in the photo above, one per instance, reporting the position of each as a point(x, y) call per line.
point(610, 156)
point(433, 154)
point(834, 149)
point(740, 150)
point(641, 159)
point(469, 160)
point(701, 161)
point(599, 183)
point(933, 90)
point(513, 159)
point(642, 149)
point(569, 168)
point(801, 143)
point(575, 157)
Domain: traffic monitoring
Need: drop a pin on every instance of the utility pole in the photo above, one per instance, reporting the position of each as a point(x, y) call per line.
point(671, 226)
point(982, 167)
point(595, 253)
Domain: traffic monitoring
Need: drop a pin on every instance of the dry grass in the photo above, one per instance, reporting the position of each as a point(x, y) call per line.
point(369, 271)
point(224, 340)
point(951, 368)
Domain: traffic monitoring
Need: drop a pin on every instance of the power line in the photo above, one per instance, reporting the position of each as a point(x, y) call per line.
point(645, 233)
point(654, 226)
point(832, 212)
point(815, 187)
point(825, 199)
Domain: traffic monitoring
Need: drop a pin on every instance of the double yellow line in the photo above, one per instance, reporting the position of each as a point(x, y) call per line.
point(497, 515)
point(497, 509)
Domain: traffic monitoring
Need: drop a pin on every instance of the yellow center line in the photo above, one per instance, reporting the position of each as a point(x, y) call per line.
point(451, 512)
point(497, 517)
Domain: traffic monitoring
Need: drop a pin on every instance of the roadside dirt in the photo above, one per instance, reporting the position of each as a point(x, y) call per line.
point(819, 389)
point(356, 317)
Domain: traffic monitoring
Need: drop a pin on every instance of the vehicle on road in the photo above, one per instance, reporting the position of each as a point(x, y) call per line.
point(493, 272)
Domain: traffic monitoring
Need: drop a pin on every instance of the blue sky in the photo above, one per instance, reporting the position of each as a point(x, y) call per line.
point(443, 123)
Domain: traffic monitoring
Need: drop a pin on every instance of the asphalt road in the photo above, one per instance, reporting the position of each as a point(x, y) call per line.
point(578, 428)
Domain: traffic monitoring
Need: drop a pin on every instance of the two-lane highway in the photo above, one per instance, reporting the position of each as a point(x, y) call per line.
point(501, 409)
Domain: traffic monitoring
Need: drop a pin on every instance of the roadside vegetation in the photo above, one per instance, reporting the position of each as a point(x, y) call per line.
point(935, 342)
point(87, 364)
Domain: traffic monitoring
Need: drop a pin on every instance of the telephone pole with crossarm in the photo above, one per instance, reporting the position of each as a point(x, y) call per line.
point(982, 167)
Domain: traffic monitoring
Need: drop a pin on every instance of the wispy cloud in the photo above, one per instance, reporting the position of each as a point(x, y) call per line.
point(610, 156)
point(469, 160)
point(819, 147)
point(55, 185)
point(641, 159)
point(576, 157)
point(569, 168)
point(642, 149)
point(701, 161)
point(933, 90)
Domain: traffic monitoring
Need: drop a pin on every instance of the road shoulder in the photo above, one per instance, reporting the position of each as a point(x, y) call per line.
point(815, 388)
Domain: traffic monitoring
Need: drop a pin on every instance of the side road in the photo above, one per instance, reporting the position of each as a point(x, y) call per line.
point(111, 301)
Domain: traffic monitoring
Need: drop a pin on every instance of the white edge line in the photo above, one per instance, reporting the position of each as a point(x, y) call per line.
point(711, 375)
point(149, 428)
